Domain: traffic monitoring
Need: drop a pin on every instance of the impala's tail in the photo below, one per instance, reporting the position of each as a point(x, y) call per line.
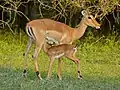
point(30, 32)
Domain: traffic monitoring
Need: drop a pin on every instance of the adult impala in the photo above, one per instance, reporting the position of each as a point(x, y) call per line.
point(42, 30)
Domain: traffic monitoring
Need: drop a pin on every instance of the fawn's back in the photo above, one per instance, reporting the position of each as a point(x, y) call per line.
point(61, 50)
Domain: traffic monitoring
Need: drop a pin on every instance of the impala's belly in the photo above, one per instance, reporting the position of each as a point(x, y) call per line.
point(53, 34)
point(62, 38)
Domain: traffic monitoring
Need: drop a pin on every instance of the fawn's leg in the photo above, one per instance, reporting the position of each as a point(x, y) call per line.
point(50, 67)
point(77, 61)
point(78, 67)
point(59, 69)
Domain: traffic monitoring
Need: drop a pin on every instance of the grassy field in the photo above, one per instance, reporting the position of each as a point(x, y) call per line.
point(100, 66)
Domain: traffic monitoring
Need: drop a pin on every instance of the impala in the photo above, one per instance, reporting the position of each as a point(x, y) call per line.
point(67, 50)
point(46, 31)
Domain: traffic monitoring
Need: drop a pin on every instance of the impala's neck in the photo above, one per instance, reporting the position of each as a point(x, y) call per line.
point(80, 30)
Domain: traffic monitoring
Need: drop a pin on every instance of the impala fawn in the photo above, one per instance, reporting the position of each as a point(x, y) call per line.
point(67, 50)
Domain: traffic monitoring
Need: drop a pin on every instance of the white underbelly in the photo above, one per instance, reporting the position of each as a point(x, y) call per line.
point(54, 34)
point(60, 55)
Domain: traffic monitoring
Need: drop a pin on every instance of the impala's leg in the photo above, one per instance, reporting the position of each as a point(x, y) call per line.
point(25, 55)
point(77, 61)
point(50, 67)
point(59, 69)
point(35, 58)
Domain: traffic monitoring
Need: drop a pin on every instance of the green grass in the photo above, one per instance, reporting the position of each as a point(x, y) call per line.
point(100, 66)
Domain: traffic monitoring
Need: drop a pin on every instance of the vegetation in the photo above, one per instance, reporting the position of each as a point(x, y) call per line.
point(100, 66)
point(13, 12)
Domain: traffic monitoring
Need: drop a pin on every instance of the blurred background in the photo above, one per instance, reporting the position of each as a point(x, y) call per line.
point(14, 14)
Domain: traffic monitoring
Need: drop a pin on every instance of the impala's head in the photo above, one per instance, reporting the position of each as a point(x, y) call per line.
point(89, 20)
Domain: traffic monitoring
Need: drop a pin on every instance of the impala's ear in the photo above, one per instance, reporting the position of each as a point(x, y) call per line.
point(84, 13)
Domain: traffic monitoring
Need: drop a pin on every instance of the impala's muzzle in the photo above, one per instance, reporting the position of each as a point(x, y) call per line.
point(97, 27)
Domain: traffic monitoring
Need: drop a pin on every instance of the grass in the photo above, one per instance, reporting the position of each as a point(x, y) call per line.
point(100, 66)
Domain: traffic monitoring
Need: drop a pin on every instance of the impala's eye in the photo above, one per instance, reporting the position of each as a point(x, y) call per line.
point(89, 17)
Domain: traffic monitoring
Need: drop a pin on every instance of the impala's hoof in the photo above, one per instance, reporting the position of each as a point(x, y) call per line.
point(24, 73)
point(60, 78)
point(80, 77)
point(38, 75)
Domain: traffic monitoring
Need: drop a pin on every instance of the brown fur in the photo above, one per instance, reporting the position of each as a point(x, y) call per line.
point(67, 50)
point(61, 32)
